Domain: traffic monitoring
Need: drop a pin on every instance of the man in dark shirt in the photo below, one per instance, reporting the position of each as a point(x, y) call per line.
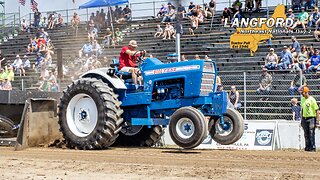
point(296, 83)
point(117, 12)
point(226, 15)
point(191, 8)
point(127, 13)
point(37, 16)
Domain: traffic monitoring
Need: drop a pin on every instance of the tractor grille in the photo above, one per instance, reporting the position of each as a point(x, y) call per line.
point(207, 80)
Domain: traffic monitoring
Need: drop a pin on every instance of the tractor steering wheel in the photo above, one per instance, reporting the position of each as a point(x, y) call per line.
point(141, 56)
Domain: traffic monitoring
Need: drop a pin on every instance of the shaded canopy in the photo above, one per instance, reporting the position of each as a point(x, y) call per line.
point(102, 3)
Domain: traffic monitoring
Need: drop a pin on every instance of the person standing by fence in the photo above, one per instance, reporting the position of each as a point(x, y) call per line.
point(310, 110)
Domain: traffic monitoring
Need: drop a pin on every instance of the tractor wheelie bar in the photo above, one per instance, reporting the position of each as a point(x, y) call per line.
point(104, 107)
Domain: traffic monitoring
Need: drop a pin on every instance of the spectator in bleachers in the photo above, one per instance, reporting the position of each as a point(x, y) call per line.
point(248, 5)
point(316, 34)
point(207, 11)
point(207, 58)
point(265, 83)
point(290, 14)
point(302, 59)
point(17, 65)
point(219, 84)
point(97, 20)
point(75, 20)
point(107, 39)
point(51, 21)
point(102, 18)
point(96, 48)
point(26, 65)
point(226, 15)
point(234, 96)
point(302, 19)
point(314, 18)
point(197, 57)
point(296, 4)
point(91, 24)
point(36, 16)
point(59, 22)
point(296, 83)
point(296, 110)
point(117, 12)
point(92, 34)
point(127, 13)
point(86, 49)
point(308, 4)
point(236, 6)
point(43, 22)
point(191, 8)
point(159, 31)
point(237, 15)
point(39, 61)
point(52, 82)
point(181, 12)
point(24, 25)
point(48, 56)
point(200, 16)
point(314, 62)
point(212, 5)
point(10, 73)
point(6, 85)
point(92, 17)
point(118, 36)
point(162, 11)
point(183, 58)
point(258, 5)
point(193, 24)
point(295, 48)
point(170, 15)
point(286, 59)
point(32, 46)
point(3, 74)
point(44, 34)
point(271, 60)
point(168, 31)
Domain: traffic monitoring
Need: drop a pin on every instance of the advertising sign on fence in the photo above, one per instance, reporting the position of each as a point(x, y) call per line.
point(258, 135)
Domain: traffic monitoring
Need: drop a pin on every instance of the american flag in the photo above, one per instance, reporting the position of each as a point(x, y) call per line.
point(34, 5)
point(22, 2)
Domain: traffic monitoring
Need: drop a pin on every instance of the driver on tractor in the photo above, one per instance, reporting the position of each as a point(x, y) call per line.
point(128, 60)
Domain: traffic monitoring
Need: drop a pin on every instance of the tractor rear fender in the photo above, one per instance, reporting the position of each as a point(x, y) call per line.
point(107, 76)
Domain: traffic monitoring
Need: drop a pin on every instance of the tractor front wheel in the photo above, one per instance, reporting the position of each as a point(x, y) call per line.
point(188, 127)
point(230, 131)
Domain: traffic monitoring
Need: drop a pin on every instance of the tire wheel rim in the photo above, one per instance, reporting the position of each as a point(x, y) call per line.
point(219, 129)
point(185, 128)
point(82, 115)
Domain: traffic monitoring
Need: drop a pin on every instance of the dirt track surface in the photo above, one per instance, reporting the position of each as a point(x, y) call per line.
point(152, 163)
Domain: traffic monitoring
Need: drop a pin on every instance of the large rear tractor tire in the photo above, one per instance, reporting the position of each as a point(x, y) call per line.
point(188, 127)
point(231, 132)
point(142, 136)
point(89, 115)
point(7, 128)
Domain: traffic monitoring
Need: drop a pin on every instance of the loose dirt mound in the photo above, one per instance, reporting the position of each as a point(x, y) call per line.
point(151, 163)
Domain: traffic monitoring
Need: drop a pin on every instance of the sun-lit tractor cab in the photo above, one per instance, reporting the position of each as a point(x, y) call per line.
point(181, 96)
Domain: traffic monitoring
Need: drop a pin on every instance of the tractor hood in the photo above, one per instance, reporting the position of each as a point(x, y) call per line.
point(199, 76)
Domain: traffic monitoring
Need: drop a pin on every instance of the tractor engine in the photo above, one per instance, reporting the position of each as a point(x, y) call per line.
point(168, 89)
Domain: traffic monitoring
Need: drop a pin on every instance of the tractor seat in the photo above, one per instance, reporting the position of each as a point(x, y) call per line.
point(126, 76)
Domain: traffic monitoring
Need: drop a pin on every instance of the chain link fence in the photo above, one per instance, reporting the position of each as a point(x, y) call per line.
point(258, 103)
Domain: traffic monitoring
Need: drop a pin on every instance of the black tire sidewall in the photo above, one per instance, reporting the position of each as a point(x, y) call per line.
point(87, 89)
point(238, 128)
point(199, 127)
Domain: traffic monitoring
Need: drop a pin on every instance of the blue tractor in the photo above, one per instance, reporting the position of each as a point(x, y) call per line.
point(104, 108)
